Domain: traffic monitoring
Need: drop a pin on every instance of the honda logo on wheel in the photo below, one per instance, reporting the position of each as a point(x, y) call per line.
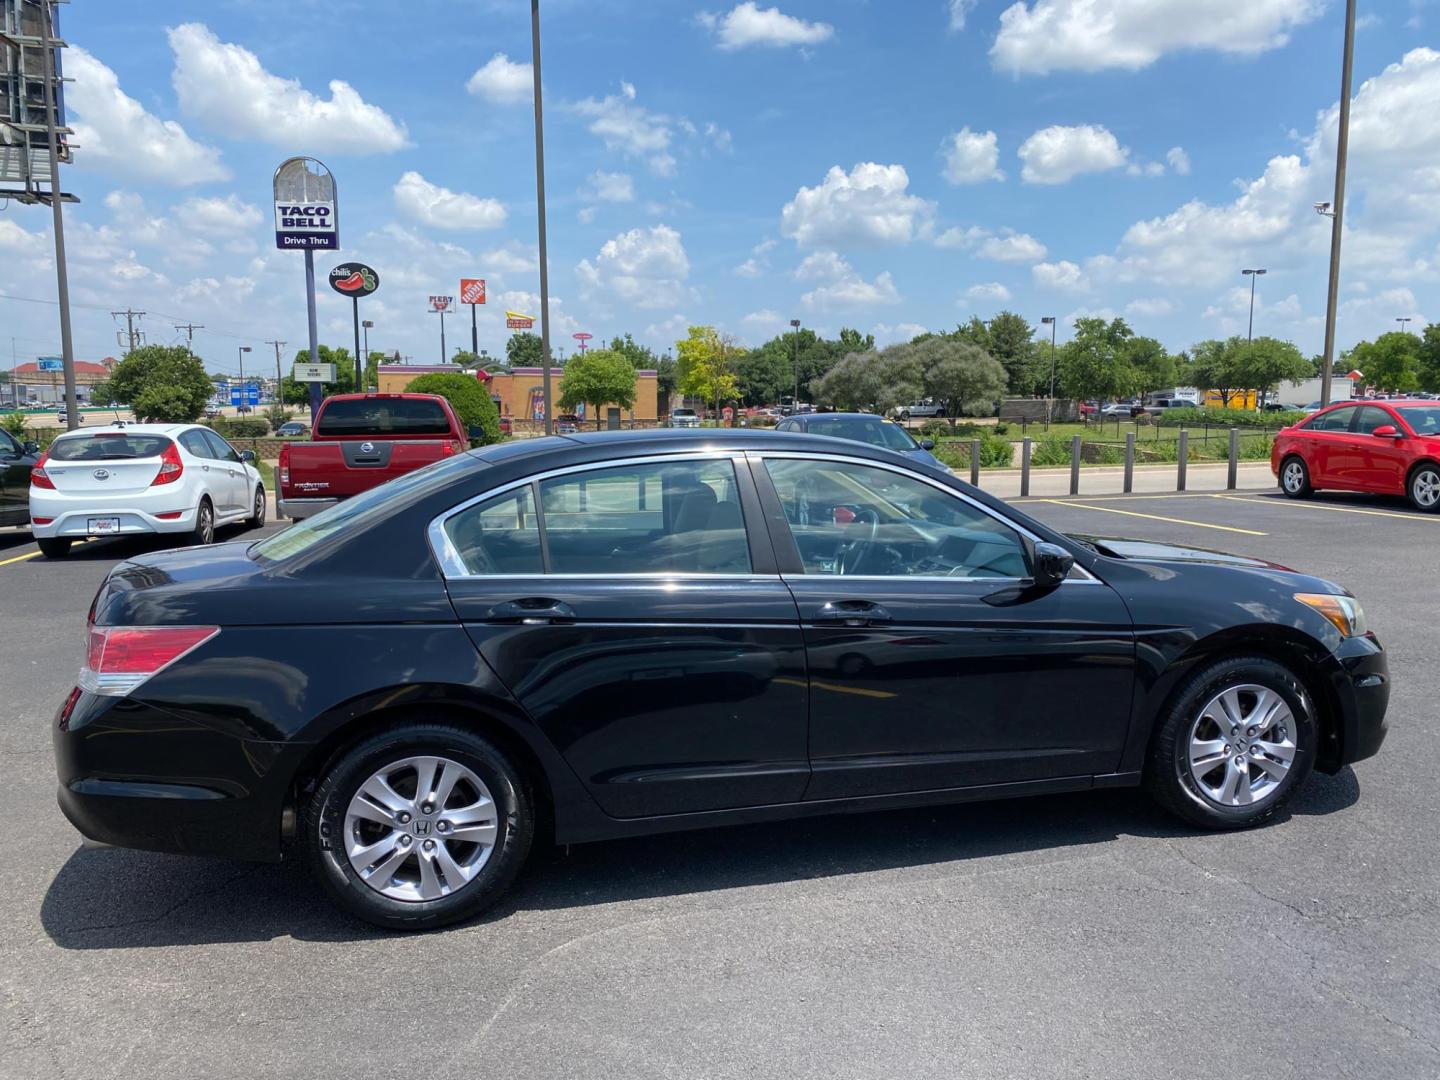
point(422, 827)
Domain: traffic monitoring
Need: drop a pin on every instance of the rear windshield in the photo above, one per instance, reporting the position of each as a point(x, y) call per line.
point(383, 416)
point(108, 446)
point(876, 432)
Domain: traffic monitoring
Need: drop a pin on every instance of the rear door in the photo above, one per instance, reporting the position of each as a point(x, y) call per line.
point(1331, 452)
point(105, 464)
point(643, 628)
point(931, 666)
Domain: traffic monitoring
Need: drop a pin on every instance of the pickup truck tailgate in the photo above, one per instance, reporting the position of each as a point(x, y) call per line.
point(343, 468)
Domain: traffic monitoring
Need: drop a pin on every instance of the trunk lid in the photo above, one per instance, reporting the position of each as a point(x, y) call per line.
point(105, 462)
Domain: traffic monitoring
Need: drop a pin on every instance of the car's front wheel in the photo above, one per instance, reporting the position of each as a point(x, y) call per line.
point(1234, 745)
point(1424, 487)
point(1295, 478)
point(420, 826)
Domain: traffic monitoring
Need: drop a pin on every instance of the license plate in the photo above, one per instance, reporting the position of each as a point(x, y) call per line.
point(98, 526)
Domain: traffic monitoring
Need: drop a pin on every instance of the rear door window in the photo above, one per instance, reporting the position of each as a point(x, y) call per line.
point(383, 416)
point(108, 446)
point(1335, 420)
point(194, 443)
point(499, 536)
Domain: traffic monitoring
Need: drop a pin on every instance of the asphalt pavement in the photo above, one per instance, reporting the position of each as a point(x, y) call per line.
point(1080, 936)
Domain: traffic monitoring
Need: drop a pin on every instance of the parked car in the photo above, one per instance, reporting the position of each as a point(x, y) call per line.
point(212, 412)
point(136, 479)
point(16, 460)
point(622, 633)
point(1120, 410)
point(684, 418)
point(293, 429)
point(865, 428)
point(919, 410)
point(507, 426)
point(358, 442)
point(566, 428)
point(62, 417)
point(1389, 448)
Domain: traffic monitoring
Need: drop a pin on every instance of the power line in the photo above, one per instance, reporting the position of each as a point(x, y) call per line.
point(189, 329)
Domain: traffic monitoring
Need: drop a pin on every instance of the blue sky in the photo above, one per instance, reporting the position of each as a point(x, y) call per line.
point(888, 166)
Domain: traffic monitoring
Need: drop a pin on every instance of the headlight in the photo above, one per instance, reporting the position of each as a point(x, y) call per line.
point(1343, 611)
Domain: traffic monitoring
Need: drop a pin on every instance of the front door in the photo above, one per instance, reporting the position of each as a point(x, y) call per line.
point(1384, 459)
point(644, 630)
point(15, 467)
point(931, 666)
point(227, 476)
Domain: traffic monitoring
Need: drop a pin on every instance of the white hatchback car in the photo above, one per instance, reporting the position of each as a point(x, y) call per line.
point(141, 478)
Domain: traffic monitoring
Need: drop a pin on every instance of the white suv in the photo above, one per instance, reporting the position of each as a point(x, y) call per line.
point(684, 418)
point(141, 478)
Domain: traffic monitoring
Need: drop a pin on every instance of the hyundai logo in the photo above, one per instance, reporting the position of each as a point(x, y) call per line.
point(367, 447)
point(101, 474)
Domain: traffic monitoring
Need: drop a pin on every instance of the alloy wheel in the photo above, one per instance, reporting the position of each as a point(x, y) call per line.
point(1294, 476)
point(1426, 488)
point(206, 527)
point(1242, 745)
point(420, 828)
point(259, 507)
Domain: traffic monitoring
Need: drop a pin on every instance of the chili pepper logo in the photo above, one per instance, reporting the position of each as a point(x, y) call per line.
point(354, 280)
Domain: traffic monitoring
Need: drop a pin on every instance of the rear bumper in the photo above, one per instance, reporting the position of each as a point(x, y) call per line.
point(72, 516)
point(296, 509)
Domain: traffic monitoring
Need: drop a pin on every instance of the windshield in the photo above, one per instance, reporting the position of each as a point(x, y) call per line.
point(108, 446)
point(682, 412)
point(876, 432)
point(383, 416)
point(1424, 420)
point(361, 510)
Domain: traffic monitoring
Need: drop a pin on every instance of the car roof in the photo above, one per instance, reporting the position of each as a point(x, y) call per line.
point(597, 445)
point(807, 417)
point(129, 429)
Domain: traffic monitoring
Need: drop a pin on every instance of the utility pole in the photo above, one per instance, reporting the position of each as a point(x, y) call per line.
point(190, 329)
point(1252, 275)
point(540, 210)
point(132, 336)
point(62, 274)
point(1337, 209)
point(795, 334)
point(279, 397)
point(1050, 401)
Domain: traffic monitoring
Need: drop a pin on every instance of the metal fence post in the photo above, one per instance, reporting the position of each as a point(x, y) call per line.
point(974, 462)
point(1234, 459)
point(1129, 461)
point(1184, 457)
point(1075, 465)
point(1025, 445)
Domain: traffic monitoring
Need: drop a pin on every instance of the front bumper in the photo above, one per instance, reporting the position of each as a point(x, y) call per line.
point(1360, 684)
point(70, 515)
point(297, 509)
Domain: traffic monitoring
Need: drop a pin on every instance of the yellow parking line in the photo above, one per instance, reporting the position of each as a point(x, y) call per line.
point(18, 558)
point(1154, 517)
point(1276, 501)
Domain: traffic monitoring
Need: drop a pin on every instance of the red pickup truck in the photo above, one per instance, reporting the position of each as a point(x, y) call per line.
point(358, 442)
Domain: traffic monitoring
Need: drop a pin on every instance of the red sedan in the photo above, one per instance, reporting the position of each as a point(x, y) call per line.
point(1389, 448)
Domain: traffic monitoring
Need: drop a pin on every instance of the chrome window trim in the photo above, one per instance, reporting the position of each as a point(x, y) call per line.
point(453, 568)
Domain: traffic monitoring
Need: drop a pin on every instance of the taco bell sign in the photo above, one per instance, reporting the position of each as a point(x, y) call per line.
point(306, 225)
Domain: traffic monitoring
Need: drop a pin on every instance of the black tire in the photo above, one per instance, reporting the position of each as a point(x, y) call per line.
point(54, 547)
point(904, 416)
point(323, 827)
point(257, 519)
point(1295, 478)
point(204, 531)
point(1422, 487)
point(1168, 775)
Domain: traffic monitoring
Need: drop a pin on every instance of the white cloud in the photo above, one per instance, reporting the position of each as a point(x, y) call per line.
point(440, 208)
point(765, 321)
point(22, 242)
point(750, 268)
point(757, 264)
point(1055, 155)
point(216, 216)
point(226, 87)
point(888, 333)
point(1093, 35)
point(991, 292)
point(719, 137)
point(644, 267)
point(959, 10)
point(748, 25)
point(841, 285)
point(1154, 307)
point(1011, 246)
point(502, 81)
point(631, 128)
point(117, 135)
point(1178, 160)
point(611, 187)
point(868, 205)
point(1063, 276)
point(668, 329)
point(972, 157)
point(960, 239)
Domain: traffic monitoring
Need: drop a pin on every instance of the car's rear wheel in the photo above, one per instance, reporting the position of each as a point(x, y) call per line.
point(1423, 487)
point(54, 547)
point(419, 827)
point(204, 531)
point(1295, 478)
point(256, 520)
point(1234, 745)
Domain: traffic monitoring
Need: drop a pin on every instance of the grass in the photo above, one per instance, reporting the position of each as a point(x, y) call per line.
point(1107, 433)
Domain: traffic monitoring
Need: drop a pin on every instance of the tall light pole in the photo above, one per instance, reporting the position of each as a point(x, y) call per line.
point(795, 401)
point(1337, 209)
point(540, 211)
point(243, 350)
point(1049, 320)
point(441, 313)
point(1252, 275)
point(62, 275)
point(366, 325)
point(1404, 324)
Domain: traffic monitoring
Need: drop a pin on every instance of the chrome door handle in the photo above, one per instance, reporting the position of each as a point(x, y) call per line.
point(531, 610)
point(852, 613)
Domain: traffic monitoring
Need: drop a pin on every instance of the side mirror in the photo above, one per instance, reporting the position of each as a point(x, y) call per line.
point(1386, 431)
point(476, 432)
point(30, 446)
point(927, 444)
point(1050, 565)
point(247, 456)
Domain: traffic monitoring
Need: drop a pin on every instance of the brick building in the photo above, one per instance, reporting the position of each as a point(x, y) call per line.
point(519, 394)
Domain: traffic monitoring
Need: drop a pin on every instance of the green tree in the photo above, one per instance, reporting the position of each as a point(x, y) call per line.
point(467, 396)
point(641, 357)
point(877, 381)
point(525, 350)
point(101, 394)
point(466, 359)
point(372, 368)
point(598, 377)
point(1093, 363)
point(1012, 343)
point(703, 366)
point(298, 393)
point(765, 376)
point(1263, 364)
point(162, 383)
point(1391, 362)
point(960, 376)
point(1154, 367)
point(1429, 358)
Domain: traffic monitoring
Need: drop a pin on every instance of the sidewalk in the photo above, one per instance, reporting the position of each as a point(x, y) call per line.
point(1110, 480)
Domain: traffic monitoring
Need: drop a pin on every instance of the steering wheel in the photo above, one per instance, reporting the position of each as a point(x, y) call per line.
point(851, 555)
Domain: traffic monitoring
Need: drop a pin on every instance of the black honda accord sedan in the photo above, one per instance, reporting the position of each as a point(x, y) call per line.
point(619, 634)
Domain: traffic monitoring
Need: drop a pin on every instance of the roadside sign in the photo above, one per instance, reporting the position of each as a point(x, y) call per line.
point(322, 373)
point(354, 280)
point(441, 303)
point(516, 320)
point(50, 363)
point(472, 290)
point(249, 394)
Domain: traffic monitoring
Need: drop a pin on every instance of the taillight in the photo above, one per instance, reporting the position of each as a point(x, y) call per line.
point(119, 658)
point(39, 477)
point(170, 466)
point(284, 466)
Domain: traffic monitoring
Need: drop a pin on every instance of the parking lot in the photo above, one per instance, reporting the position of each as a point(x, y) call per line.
point(1057, 937)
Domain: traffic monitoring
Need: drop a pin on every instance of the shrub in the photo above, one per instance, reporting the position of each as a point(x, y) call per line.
point(1054, 450)
point(240, 428)
point(1227, 418)
point(277, 415)
point(15, 423)
point(994, 453)
point(1256, 449)
point(1002, 428)
point(469, 399)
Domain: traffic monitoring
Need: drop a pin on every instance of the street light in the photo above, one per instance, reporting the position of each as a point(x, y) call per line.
point(1049, 320)
point(1335, 210)
point(1252, 275)
point(795, 401)
point(243, 350)
point(1404, 324)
